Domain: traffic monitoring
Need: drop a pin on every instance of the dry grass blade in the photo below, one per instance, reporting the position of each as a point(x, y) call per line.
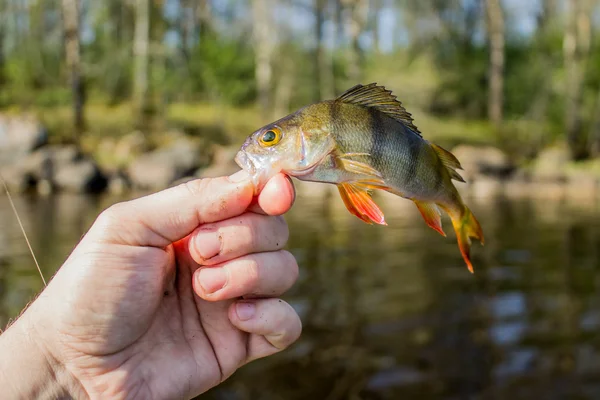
point(12, 204)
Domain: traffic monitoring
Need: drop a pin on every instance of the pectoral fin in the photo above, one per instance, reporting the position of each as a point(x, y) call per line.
point(359, 168)
point(431, 215)
point(359, 202)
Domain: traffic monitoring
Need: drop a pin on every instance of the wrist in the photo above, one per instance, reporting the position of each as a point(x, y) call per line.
point(28, 369)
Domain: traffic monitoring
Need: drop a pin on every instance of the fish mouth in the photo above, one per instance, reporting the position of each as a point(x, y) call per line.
point(244, 162)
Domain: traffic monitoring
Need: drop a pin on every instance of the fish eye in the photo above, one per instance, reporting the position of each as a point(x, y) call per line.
point(270, 137)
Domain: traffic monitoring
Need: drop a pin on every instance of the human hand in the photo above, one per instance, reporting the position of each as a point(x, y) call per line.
point(136, 310)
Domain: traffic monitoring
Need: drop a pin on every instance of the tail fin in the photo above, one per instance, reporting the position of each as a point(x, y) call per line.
point(466, 227)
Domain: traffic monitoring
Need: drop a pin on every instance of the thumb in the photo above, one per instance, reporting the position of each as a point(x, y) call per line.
point(170, 215)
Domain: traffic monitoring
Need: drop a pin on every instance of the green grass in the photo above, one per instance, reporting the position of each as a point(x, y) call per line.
point(227, 124)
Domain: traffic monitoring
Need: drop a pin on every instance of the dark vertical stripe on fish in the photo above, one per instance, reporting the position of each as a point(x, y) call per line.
point(334, 112)
point(414, 150)
point(378, 136)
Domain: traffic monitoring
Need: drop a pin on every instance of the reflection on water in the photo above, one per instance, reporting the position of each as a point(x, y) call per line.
point(392, 312)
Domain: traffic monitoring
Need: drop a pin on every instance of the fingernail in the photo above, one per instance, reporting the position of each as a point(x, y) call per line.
point(208, 244)
point(245, 311)
point(239, 176)
point(212, 279)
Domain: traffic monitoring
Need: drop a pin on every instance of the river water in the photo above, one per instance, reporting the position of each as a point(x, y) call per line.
point(391, 312)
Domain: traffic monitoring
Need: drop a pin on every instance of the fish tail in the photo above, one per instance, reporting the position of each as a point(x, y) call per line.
point(466, 227)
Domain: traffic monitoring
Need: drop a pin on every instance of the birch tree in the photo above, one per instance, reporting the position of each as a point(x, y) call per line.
point(141, 49)
point(495, 28)
point(71, 17)
point(264, 45)
point(357, 12)
point(576, 45)
point(325, 85)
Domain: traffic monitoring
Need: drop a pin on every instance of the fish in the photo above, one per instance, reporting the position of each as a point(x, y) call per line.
point(362, 141)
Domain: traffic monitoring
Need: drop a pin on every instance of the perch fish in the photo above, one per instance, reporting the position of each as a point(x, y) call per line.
point(364, 140)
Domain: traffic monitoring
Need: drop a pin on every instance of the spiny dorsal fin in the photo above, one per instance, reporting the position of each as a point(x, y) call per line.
point(381, 99)
point(449, 161)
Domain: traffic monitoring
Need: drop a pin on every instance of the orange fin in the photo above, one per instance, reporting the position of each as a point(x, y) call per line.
point(449, 161)
point(359, 203)
point(467, 227)
point(431, 215)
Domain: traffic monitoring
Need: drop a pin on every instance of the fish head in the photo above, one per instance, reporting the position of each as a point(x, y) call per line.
point(289, 145)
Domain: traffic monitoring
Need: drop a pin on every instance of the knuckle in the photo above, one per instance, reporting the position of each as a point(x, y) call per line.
point(195, 187)
point(252, 272)
point(114, 211)
point(283, 231)
point(109, 217)
point(253, 223)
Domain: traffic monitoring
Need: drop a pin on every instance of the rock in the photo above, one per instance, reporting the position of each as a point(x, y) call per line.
point(216, 171)
point(17, 178)
point(486, 187)
point(63, 167)
point(581, 184)
point(223, 163)
point(41, 164)
point(225, 155)
point(162, 167)
point(19, 136)
point(483, 162)
point(130, 146)
point(45, 187)
point(550, 165)
point(119, 183)
point(81, 176)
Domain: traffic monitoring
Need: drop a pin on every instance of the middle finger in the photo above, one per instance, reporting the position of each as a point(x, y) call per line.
point(249, 233)
point(256, 275)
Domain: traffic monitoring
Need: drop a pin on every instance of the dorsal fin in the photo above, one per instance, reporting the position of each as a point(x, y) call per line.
point(381, 99)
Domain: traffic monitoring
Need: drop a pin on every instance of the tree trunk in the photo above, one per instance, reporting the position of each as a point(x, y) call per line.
point(263, 36)
point(595, 128)
point(3, 11)
point(357, 18)
point(141, 54)
point(338, 20)
point(71, 15)
point(495, 28)
point(547, 15)
point(204, 17)
point(576, 46)
point(323, 62)
point(376, 9)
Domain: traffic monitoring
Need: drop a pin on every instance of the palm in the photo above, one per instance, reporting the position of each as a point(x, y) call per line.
point(190, 334)
point(171, 333)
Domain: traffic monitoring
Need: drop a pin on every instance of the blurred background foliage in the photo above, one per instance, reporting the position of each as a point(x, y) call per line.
point(518, 74)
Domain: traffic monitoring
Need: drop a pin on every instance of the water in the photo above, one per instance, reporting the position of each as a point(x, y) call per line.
point(392, 313)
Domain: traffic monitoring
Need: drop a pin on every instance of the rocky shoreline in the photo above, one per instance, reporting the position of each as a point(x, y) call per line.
point(29, 163)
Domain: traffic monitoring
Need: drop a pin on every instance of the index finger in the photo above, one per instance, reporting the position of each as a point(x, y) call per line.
point(276, 198)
